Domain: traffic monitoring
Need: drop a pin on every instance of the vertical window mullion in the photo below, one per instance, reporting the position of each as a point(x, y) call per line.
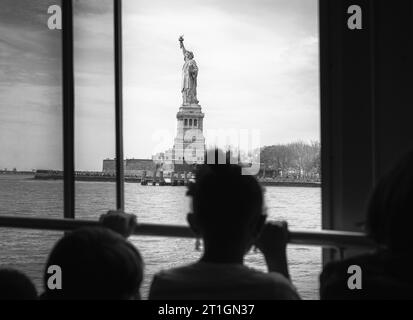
point(68, 109)
point(117, 5)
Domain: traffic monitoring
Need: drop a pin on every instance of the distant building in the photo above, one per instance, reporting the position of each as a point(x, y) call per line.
point(132, 167)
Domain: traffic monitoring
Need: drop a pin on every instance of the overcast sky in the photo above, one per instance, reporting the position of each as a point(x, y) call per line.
point(258, 69)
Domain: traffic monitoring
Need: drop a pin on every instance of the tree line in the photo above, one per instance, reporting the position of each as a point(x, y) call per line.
point(298, 159)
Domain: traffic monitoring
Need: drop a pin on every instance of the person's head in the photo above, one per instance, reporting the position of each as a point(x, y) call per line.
point(227, 206)
point(15, 285)
point(189, 55)
point(95, 263)
point(390, 209)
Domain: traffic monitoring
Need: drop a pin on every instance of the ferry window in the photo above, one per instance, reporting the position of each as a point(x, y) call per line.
point(258, 70)
point(267, 86)
point(30, 130)
point(94, 108)
point(31, 112)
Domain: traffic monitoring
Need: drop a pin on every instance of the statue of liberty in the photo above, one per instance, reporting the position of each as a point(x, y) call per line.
point(189, 76)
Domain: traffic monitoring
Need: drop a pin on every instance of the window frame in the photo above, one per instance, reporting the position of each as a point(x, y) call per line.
point(69, 107)
point(324, 238)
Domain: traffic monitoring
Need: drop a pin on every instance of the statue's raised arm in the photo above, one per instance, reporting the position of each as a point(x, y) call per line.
point(181, 44)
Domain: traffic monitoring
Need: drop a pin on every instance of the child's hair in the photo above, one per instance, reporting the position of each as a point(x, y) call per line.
point(15, 285)
point(223, 198)
point(95, 263)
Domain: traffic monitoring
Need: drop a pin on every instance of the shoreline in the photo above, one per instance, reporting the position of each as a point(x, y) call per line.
point(97, 178)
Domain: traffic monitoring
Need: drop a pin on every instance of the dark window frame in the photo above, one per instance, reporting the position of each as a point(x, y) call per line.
point(69, 107)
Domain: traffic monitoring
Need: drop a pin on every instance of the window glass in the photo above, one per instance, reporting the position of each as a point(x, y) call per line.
point(94, 108)
point(31, 160)
point(31, 157)
point(254, 68)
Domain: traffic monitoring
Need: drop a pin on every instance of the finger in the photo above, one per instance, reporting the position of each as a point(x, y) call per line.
point(115, 212)
point(275, 224)
point(132, 221)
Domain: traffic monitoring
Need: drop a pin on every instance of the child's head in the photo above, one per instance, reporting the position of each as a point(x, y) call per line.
point(96, 263)
point(227, 206)
point(15, 285)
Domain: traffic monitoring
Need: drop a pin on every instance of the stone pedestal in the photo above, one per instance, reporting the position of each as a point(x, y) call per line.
point(189, 144)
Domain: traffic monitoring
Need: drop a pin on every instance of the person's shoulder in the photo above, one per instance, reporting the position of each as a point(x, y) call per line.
point(336, 268)
point(178, 281)
point(275, 285)
point(334, 277)
point(163, 280)
point(278, 279)
point(178, 273)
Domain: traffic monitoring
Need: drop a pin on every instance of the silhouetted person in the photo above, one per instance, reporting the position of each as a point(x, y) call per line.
point(228, 216)
point(97, 263)
point(15, 285)
point(386, 272)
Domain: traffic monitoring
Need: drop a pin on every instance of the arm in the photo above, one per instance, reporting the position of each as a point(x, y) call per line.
point(181, 44)
point(183, 48)
point(273, 244)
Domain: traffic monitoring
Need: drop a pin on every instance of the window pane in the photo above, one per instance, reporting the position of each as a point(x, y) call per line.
point(299, 206)
point(94, 107)
point(256, 69)
point(30, 130)
point(27, 251)
point(31, 110)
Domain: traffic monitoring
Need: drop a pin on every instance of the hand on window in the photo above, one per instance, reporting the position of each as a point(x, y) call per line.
point(272, 242)
point(120, 222)
point(273, 238)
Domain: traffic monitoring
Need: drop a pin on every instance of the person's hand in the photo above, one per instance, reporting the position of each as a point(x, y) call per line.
point(272, 242)
point(119, 222)
point(273, 238)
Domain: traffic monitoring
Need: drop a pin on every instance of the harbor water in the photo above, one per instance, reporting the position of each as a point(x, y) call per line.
point(27, 249)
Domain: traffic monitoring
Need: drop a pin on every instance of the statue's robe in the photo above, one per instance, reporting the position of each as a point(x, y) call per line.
point(189, 81)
